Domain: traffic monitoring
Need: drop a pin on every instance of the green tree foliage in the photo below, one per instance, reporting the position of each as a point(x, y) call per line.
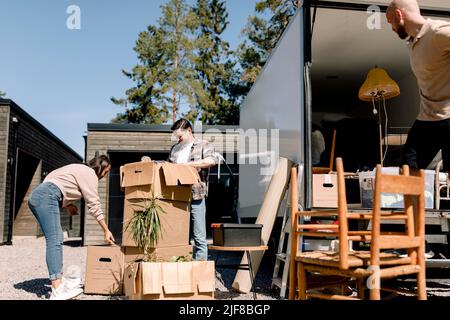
point(178, 24)
point(164, 77)
point(185, 68)
point(145, 103)
point(213, 65)
point(263, 31)
point(2, 94)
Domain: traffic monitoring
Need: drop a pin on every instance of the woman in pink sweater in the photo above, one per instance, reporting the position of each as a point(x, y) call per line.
point(60, 189)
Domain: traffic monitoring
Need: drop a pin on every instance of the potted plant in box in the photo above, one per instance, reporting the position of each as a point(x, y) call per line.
point(145, 226)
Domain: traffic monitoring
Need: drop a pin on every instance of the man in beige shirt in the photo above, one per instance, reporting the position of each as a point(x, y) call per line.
point(429, 48)
point(60, 189)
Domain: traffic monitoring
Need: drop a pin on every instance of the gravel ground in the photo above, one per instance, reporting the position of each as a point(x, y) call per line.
point(23, 274)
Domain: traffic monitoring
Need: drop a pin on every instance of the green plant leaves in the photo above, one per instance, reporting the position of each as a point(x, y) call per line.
point(145, 225)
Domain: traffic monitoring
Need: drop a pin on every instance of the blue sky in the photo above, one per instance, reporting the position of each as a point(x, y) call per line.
point(65, 78)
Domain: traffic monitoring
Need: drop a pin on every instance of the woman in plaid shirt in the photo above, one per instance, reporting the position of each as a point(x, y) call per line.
point(200, 155)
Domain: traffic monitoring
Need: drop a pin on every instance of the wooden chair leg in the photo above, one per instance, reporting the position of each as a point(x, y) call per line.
point(421, 277)
point(421, 285)
point(301, 278)
point(360, 287)
point(374, 293)
point(293, 281)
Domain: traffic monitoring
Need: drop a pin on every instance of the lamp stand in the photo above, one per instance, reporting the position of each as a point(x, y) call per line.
point(377, 110)
point(380, 133)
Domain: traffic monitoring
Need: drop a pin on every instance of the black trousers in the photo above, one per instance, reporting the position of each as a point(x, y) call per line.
point(425, 139)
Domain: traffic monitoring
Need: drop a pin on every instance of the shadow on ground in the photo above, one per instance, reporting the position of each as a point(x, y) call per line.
point(39, 287)
point(73, 243)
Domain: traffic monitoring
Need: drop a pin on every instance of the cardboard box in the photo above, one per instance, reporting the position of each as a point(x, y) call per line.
point(167, 181)
point(171, 184)
point(325, 193)
point(133, 254)
point(170, 280)
point(104, 270)
point(390, 200)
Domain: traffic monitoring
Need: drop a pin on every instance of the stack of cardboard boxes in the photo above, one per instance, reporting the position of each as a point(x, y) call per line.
point(171, 185)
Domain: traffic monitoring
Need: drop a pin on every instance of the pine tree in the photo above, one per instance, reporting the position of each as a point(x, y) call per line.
point(178, 24)
point(147, 97)
point(213, 64)
point(165, 75)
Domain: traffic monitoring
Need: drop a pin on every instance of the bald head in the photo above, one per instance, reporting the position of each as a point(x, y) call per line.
point(406, 6)
point(405, 17)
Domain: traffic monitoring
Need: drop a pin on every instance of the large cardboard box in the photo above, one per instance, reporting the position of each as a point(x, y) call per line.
point(174, 222)
point(171, 184)
point(104, 270)
point(325, 193)
point(170, 280)
point(390, 200)
point(133, 254)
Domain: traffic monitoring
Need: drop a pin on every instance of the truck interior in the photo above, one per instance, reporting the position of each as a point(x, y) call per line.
point(346, 43)
point(344, 49)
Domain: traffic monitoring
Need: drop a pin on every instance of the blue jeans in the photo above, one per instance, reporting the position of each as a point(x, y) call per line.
point(45, 202)
point(198, 216)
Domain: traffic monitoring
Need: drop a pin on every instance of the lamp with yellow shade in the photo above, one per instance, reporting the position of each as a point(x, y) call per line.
point(377, 88)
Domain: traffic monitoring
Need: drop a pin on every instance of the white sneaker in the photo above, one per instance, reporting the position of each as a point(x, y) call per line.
point(429, 254)
point(71, 283)
point(63, 292)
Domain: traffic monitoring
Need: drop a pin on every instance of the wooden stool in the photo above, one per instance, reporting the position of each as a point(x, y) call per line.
point(248, 266)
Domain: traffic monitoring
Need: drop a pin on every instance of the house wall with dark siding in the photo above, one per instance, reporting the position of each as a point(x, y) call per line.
point(36, 141)
point(4, 116)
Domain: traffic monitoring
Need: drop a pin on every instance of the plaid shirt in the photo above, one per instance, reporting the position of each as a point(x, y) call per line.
point(199, 150)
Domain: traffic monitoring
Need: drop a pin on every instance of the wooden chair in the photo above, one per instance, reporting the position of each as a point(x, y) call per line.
point(364, 266)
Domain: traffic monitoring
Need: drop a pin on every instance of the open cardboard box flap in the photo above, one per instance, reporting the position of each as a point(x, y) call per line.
point(205, 271)
point(146, 173)
point(179, 174)
point(130, 274)
point(177, 278)
point(137, 174)
point(151, 278)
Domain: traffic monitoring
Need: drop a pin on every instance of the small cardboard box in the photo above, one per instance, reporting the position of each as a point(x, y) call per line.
point(171, 184)
point(193, 280)
point(133, 254)
point(104, 270)
point(324, 193)
point(390, 200)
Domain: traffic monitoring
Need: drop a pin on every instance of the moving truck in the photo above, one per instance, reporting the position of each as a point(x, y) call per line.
point(313, 77)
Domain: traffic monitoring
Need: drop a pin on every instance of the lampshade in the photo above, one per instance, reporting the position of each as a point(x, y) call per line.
point(378, 85)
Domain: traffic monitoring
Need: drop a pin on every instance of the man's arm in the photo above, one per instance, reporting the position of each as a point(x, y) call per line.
point(209, 157)
point(204, 163)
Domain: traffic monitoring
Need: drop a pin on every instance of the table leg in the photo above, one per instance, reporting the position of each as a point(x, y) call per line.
point(252, 279)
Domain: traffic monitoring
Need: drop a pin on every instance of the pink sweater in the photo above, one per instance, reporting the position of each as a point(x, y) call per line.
point(78, 181)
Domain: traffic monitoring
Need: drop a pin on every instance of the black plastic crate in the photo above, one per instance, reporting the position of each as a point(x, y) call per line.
point(236, 235)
